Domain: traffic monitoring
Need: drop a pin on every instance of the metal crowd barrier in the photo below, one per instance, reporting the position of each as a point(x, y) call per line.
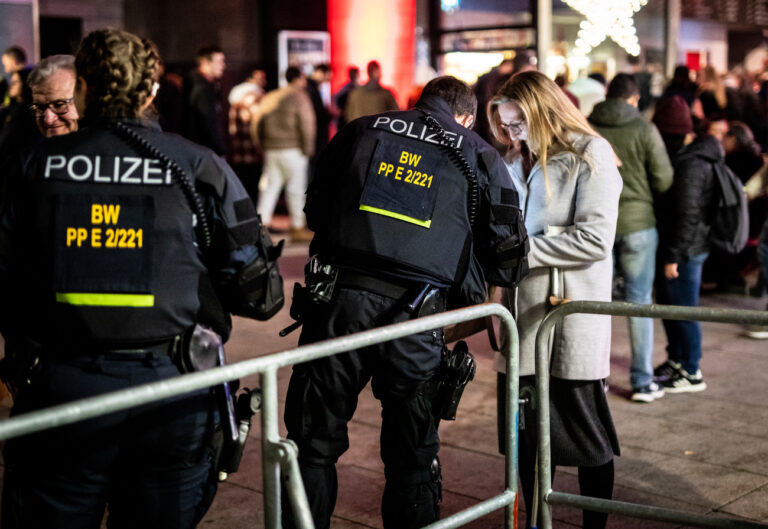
point(279, 456)
point(549, 497)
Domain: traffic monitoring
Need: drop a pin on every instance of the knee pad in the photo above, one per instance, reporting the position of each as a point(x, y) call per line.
point(412, 498)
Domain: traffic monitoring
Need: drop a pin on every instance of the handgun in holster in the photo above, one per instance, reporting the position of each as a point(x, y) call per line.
point(456, 370)
point(320, 285)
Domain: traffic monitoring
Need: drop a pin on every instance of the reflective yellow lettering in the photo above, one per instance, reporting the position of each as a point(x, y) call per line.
point(96, 237)
point(414, 160)
point(399, 172)
point(82, 235)
point(390, 168)
point(97, 216)
point(111, 241)
point(382, 167)
point(404, 157)
point(71, 234)
point(111, 213)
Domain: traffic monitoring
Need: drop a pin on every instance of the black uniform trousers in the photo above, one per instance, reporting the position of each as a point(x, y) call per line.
point(323, 394)
point(151, 465)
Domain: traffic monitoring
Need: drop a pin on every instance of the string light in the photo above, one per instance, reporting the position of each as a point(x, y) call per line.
point(607, 18)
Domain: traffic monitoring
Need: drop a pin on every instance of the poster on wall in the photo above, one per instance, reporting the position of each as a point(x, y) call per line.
point(303, 49)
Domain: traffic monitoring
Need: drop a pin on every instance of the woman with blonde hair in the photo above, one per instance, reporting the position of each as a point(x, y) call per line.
point(713, 95)
point(571, 205)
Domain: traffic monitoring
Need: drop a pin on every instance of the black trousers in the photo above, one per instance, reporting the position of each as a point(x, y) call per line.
point(323, 394)
point(151, 465)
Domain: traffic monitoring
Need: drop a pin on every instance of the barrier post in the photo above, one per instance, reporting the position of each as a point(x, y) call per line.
point(547, 496)
point(270, 462)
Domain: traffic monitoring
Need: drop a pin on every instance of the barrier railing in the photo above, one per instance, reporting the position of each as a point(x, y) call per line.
point(547, 496)
point(279, 456)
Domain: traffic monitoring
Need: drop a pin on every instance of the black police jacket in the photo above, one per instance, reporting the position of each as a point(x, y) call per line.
point(98, 244)
point(386, 197)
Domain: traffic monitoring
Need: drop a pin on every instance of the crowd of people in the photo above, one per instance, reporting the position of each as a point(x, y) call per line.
point(591, 178)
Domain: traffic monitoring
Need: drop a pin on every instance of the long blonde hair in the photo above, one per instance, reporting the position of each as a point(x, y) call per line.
point(551, 118)
point(711, 82)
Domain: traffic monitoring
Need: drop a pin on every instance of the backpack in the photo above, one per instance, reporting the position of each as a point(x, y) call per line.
point(729, 228)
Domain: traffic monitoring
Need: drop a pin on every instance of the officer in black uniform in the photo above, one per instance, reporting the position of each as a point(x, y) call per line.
point(109, 256)
point(412, 211)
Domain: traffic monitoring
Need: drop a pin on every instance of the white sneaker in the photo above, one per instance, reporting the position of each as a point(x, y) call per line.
point(757, 332)
point(647, 393)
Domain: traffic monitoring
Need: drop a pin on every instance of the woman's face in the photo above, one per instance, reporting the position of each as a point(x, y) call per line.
point(512, 121)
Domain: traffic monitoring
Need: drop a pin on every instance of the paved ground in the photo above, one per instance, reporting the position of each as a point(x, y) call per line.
point(704, 453)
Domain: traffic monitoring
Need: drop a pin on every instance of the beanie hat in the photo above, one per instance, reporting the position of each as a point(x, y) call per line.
point(673, 116)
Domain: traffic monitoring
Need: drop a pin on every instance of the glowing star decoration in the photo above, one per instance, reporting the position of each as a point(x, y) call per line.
point(607, 18)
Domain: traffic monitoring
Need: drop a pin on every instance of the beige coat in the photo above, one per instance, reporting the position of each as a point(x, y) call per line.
point(582, 205)
point(285, 120)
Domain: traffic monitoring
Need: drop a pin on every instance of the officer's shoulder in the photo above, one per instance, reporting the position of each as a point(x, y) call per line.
point(62, 143)
point(176, 142)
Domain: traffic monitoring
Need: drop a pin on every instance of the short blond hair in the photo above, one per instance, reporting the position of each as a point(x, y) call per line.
point(550, 116)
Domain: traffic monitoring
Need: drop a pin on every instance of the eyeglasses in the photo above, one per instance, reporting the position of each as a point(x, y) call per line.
point(513, 127)
point(59, 107)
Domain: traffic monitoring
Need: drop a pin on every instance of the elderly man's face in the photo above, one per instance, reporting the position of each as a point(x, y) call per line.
point(56, 93)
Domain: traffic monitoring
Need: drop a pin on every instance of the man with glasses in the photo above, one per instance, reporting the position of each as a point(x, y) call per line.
point(53, 86)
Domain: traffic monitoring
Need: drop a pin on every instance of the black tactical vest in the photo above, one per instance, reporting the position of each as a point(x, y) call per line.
point(403, 203)
point(111, 243)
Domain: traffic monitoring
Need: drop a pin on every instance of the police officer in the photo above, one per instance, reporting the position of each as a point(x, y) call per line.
point(411, 211)
point(108, 256)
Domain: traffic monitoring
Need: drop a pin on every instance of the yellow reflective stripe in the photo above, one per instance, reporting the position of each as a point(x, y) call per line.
point(422, 223)
point(106, 300)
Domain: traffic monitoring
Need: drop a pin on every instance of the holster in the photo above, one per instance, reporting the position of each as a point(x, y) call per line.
point(320, 285)
point(456, 370)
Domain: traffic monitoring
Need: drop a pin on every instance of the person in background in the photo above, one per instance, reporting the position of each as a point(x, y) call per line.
point(169, 101)
point(646, 172)
point(370, 98)
point(485, 88)
point(683, 219)
point(52, 83)
point(757, 187)
point(562, 80)
point(742, 155)
point(318, 85)
point(719, 102)
point(285, 130)
point(255, 84)
point(682, 85)
point(589, 92)
point(244, 156)
point(13, 59)
point(318, 89)
point(204, 119)
point(572, 207)
point(18, 134)
point(342, 96)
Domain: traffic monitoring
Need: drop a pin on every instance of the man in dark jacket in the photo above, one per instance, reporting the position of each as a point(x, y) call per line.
point(645, 170)
point(402, 230)
point(204, 117)
point(683, 251)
